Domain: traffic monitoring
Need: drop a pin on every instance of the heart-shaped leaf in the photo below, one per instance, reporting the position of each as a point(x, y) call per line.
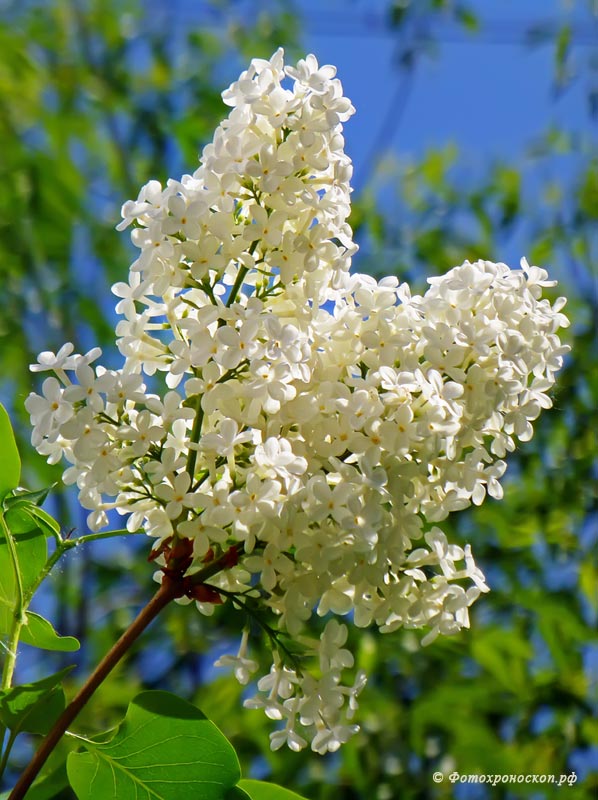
point(33, 707)
point(261, 790)
point(165, 749)
point(10, 462)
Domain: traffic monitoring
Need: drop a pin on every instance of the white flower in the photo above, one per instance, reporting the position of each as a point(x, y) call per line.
point(141, 433)
point(176, 494)
point(236, 345)
point(309, 73)
point(325, 422)
point(49, 411)
point(59, 361)
point(271, 564)
point(225, 439)
point(88, 388)
point(243, 667)
point(275, 457)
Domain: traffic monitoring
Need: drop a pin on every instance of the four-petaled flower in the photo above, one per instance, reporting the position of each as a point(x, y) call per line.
point(316, 425)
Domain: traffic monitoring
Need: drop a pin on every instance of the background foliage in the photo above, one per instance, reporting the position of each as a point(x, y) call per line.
point(98, 96)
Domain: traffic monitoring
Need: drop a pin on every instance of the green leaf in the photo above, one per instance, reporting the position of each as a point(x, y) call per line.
point(23, 513)
point(19, 520)
point(261, 790)
point(18, 495)
point(165, 749)
point(24, 516)
point(45, 521)
point(504, 654)
point(10, 463)
point(39, 632)
point(31, 554)
point(32, 551)
point(33, 707)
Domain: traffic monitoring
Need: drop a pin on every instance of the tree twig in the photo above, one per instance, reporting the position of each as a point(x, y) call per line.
point(167, 592)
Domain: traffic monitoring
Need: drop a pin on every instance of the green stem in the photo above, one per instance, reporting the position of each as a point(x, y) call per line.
point(62, 548)
point(236, 286)
point(234, 292)
point(209, 291)
point(271, 633)
point(195, 434)
point(18, 611)
point(94, 537)
point(47, 568)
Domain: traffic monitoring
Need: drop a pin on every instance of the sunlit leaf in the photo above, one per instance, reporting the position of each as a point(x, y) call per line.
point(31, 552)
point(18, 495)
point(45, 521)
point(39, 632)
point(165, 749)
point(19, 520)
point(23, 515)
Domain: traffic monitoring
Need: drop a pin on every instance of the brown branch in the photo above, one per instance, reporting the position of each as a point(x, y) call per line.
point(167, 592)
point(175, 584)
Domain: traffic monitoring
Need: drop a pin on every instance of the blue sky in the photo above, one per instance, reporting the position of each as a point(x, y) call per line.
point(488, 92)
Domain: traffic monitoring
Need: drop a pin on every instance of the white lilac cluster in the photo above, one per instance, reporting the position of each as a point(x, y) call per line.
point(320, 423)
